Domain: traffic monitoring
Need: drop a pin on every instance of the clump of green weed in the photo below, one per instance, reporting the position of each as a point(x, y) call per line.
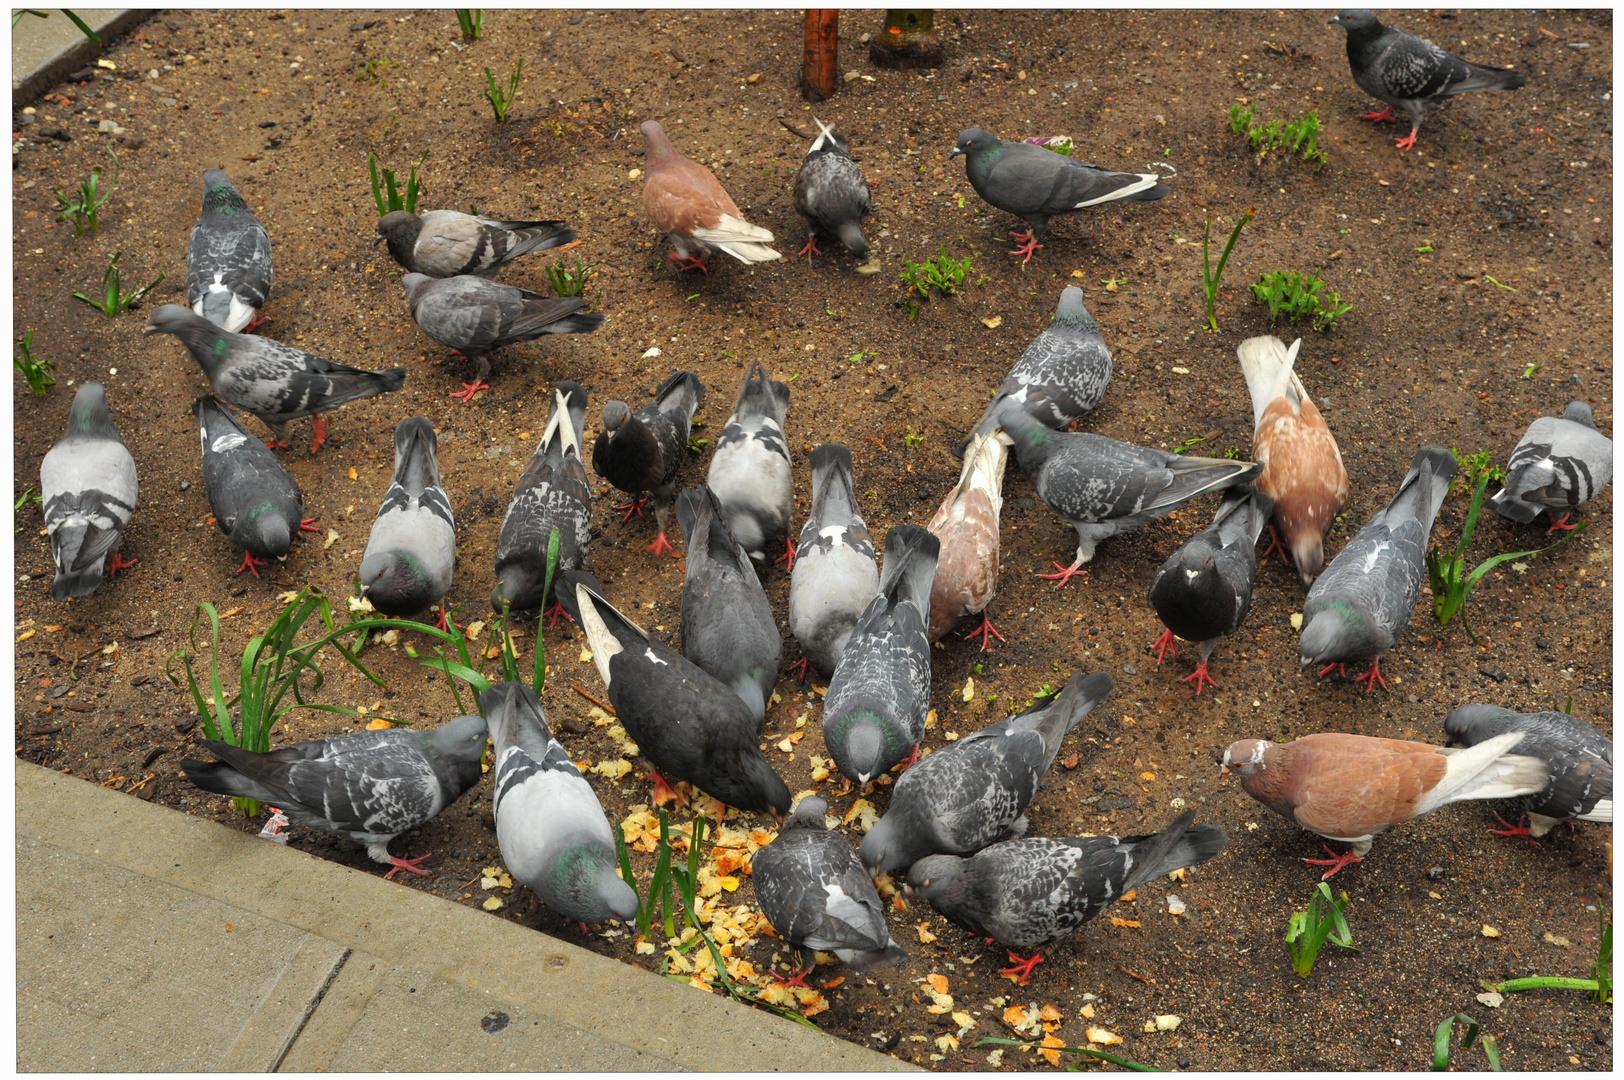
point(1299, 137)
point(387, 198)
point(502, 101)
point(114, 300)
point(942, 273)
point(571, 281)
point(37, 370)
point(85, 206)
point(1299, 296)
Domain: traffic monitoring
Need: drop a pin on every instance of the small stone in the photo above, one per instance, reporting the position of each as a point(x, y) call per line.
point(186, 485)
point(1493, 672)
point(107, 127)
point(1129, 669)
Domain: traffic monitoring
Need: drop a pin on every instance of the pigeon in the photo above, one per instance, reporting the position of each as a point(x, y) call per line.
point(689, 726)
point(1359, 606)
point(643, 452)
point(685, 201)
point(1203, 592)
point(413, 547)
point(1348, 788)
point(475, 317)
point(1030, 892)
point(1302, 467)
point(973, 792)
point(228, 262)
point(88, 491)
point(750, 471)
point(835, 575)
point(446, 243)
point(275, 382)
point(1579, 757)
point(253, 496)
point(1105, 487)
point(549, 824)
point(552, 493)
point(727, 624)
point(816, 895)
point(1034, 183)
point(1559, 464)
point(372, 785)
point(1401, 69)
point(967, 525)
point(874, 710)
point(1062, 374)
point(831, 193)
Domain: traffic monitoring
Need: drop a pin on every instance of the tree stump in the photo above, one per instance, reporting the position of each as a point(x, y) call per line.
point(820, 60)
point(908, 41)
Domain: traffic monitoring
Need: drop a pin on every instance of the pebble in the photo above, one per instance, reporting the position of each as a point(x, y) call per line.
point(167, 102)
point(1493, 672)
point(1129, 669)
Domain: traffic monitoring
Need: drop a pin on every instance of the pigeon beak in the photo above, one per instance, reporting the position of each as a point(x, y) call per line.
point(953, 153)
point(149, 329)
point(1332, 22)
point(1223, 773)
point(376, 240)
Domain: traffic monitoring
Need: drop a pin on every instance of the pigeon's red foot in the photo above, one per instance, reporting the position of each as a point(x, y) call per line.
point(1026, 243)
point(1335, 862)
point(1385, 114)
point(251, 564)
point(687, 264)
point(318, 432)
point(1275, 545)
point(411, 866)
point(554, 612)
point(1560, 523)
point(1514, 830)
point(986, 631)
point(469, 390)
point(255, 323)
point(789, 553)
point(801, 669)
point(798, 980)
point(1164, 647)
point(1408, 141)
point(633, 507)
point(308, 525)
point(1201, 676)
point(442, 623)
point(811, 248)
point(273, 443)
point(1065, 575)
point(582, 924)
point(1373, 676)
point(119, 564)
point(1340, 670)
point(1023, 968)
point(912, 759)
point(660, 546)
point(663, 792)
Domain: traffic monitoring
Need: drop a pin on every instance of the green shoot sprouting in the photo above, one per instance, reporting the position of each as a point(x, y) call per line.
point(85, 206)
point(30, 495)
point(1308, 931)
point(1599, 986)
point(501, 102)
point(942, 273)
point(571, 281)
point(1440, 1043)
point(1185, 446)
point(37, 370)
point(1297, 136)
point(393, 201)
point(113, 299)
point(1209, 279)
point(470, 21)
point(1298, 296)
point(1469, 467)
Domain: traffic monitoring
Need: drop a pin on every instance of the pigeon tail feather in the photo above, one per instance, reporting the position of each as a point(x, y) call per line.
point(910, 566)
point(1267, 365)
point(1179, 845)
point(1486, 771)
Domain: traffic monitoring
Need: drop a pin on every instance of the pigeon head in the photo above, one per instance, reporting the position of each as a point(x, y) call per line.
point(515, 584)
point(657, 147)
point(196, 332)
point(1476, 723)
point(1195, 562)
point(219, 197)
point(865, 749)
point(399, 227)
point(1337, 632)
point(1356, 20)
point(752, 786)
point(461, 745)
point(582, 884)
point(1308, 552)
point(887, 846)
point(973, 140)
point(1579, 412)
point(268, 532)
point(391, 577)
point(614, 415)
point(88, 417)
point(1071, 313)
point(944, 878)
point(1245, 758)
point(414, 284)
point(809, 814)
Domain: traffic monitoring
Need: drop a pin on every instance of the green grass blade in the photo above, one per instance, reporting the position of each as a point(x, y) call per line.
point(1546, 982)
point(84, 28)
point(1491, 1050)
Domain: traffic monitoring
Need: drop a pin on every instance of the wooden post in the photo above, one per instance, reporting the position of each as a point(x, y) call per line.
point(821, 59)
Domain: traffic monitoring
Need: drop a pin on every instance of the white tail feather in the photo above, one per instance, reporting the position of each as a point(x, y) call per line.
point(1266, 363)
point(598, 636)
point(1487, 771)
point(731, 230)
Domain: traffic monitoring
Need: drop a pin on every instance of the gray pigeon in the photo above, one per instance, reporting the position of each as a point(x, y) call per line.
point(552, 493)
point(446, 243)
point(1580, 759)
point(835, 575)
point(371, 786)
point(831, 194)
point(253, 496)
point(1062, 374)
point(643, 451)
point(1361, 603)
point(88, 491)
point(549, 824)
point(1028, 893)
point(750, 471)
point(275, 382)
point(817, 896)
point(1559, 464)
point(1034, 183)
point(228, 262)
point(1203, 592)
point(475, 317)
point(412, 551)
point(973, 792)
point(1401, 69)
point(874, 710)
point(1105, 487)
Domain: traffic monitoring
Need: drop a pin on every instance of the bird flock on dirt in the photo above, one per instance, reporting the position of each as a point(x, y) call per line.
point(955, 819)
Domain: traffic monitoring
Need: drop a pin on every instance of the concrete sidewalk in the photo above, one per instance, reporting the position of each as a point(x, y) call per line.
point(44, 51)
point(149, 940)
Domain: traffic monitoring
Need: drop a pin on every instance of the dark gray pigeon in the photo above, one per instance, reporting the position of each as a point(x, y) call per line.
point(727, 624)
point(1028, 893)
point(549, 824)
point(689, 726)
point(412, 551)
point(1580, 759)
point(253, 496)
point(228, 262)
point(275, 382)
point(1062, 374)
point(1401, 69)
point(974, 792)
point(750, 471)
point(88, 491)
point(835, 575)
point(874, 711)
point(1203, 592)
point(1034, 184)
point(371, 786)
point(644, 451)
point(1559, 464)
point(831, 194)
point(1361, 603)
point(446, 243)
point(475, 317)
point(817, 896)
point(552, 493)
point(1105, 487)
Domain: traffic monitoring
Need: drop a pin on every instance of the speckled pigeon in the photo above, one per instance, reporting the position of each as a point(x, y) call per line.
point(228, 262)
point(446, 243)
point(831, 194)
point(412, 551)
point(552, 493)
point(750, 471)
point(1360, 605)
point(253, 496)
point(1559, 464)
point(1579, 757)
point(275, 382)
point(1401, 69)
point(835, 575)
point(1062, 374)
point(644, 451)
point(973, 792)
point(371, 786)
point(1030, 892)
point(967, 525)
point(1035, 184)
point(684, 200)
point(88, 491)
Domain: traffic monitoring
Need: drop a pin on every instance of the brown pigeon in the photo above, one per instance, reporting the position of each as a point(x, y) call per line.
point(967, 525)
point(684, 200)
point(1302, 468)
point(1351, 787)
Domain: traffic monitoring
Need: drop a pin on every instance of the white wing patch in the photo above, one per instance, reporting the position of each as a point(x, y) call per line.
point(228, 442)
point(654, 659)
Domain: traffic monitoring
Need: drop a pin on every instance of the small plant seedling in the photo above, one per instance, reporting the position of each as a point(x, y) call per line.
point(1468, 467)
point(113, 299)
point(1528, 372)
point(1599, 986)
point(1440, 1043)
point(1232, 454)
point(1297, 296)
point(1087, 1052)
point(36, 370)
point(858, 358)
point(29, 495)
point(1425, 249)
point(373, 70)
point(1490, 279)
point(1240, 118)
point(1299, 137)
point(84, 207)
point(911, 439)
point(942, 273)
point(571, 281)
point(470, 21)
point(696, 445)
point(1209, 279)
point(501, 102)
point(1185, 446)
point(387, 198)
point(1308, 931)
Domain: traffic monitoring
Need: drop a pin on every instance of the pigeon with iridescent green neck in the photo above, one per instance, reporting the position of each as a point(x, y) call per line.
point(228, 261)
point(88, 490)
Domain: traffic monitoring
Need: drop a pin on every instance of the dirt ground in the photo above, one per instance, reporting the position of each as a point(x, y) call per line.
point(1511, 192)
